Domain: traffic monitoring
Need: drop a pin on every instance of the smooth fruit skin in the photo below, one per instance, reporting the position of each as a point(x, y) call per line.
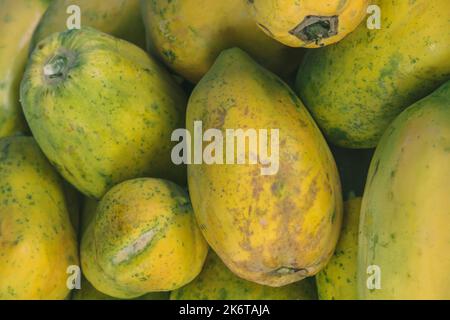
point(188, 35)
point(217, 282)
point(308, 23)
point(101, 110)
point(269, 229)
point(356, 88)
point(143, 238)
point(337, 281)
point(18, 19)
point(405, 214)
point(37, 240)
point(119, 18)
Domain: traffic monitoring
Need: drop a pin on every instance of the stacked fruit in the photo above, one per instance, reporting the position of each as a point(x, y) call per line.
point(115, 180)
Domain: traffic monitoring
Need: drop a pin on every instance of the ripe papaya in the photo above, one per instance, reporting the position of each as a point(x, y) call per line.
point(188, 35)
point(143, 238)
point(37, 240)
point(337, 281)
point(18, 19)
point(405, 212)
point(217, 282)
point(356, 88)
point(273, 228)
point(120, 18)
point(308, 23)
point(101, 110)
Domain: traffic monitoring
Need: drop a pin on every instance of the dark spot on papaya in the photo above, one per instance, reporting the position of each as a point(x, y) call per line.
point(316, 28)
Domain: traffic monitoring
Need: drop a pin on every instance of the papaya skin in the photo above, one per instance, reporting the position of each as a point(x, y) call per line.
point(101, 110)
point(286, 230)
point(119, 18)
point(37, 240)
point(308, 23)
point(217, 282)
point(18, 19)
point(405, 211)
point(337, 281)
point(188, 35)
point(356, 88)
point(143, 238)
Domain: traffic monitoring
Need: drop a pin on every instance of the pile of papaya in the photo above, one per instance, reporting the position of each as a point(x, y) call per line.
point(214, 150)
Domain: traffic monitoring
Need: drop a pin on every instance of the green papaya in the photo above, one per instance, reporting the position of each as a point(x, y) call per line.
point(18, 19)
point(217, 282)
point(277, 220)
point(120, 18)
point(356, 88)
point(337, 281)
point(101, 110)
point(404, 242)
point(37, 240)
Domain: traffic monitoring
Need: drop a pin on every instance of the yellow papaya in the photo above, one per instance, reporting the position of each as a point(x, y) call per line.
point(101, 110)
point(356, 88)
point(404, 243)
point(337, 281)
point(308, 23)
point(188, 35)
point(217, 282)
point(18, 19)
point(120, 18)
point(143, 238)
point(273, 223)
point(37, 240)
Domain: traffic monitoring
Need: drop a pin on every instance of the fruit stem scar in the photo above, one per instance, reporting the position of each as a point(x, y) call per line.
point(316, 28)
point(135, 247)
point(58, 66)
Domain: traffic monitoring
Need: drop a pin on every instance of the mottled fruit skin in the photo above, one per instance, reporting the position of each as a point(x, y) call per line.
point(37, 240)
point(101, 110)
point(119, 18)
point(18, 19)
point(308, 23)
point(143, 238)
point(217, 282)
point(357, 87)
point(337, 281)
point(405, 214)
point(188, 35)
point(88, 292)
point(270, 229)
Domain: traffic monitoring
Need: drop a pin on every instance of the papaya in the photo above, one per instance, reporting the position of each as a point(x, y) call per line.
point(337, 281)
point(188, 35)
point(308, 23)
point(120, 18)
point(217, 282)
point(143, 238)
point(101, 110)
point(357, 87)
point(277, 220)
point(18, 19)
point(88, 292)
point(404, 243)
point(37, 240)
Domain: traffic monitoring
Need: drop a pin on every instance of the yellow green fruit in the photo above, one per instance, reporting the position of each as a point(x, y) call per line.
point(217, 282)
point(308, 23)
point(120, 18)
point(143, 238)
point(356, 88)
point(337, 281)
point(188, 35)
point(271, 229)
point(18, 19)
point(405, 214)
point(37, 240)
point(101, 110)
